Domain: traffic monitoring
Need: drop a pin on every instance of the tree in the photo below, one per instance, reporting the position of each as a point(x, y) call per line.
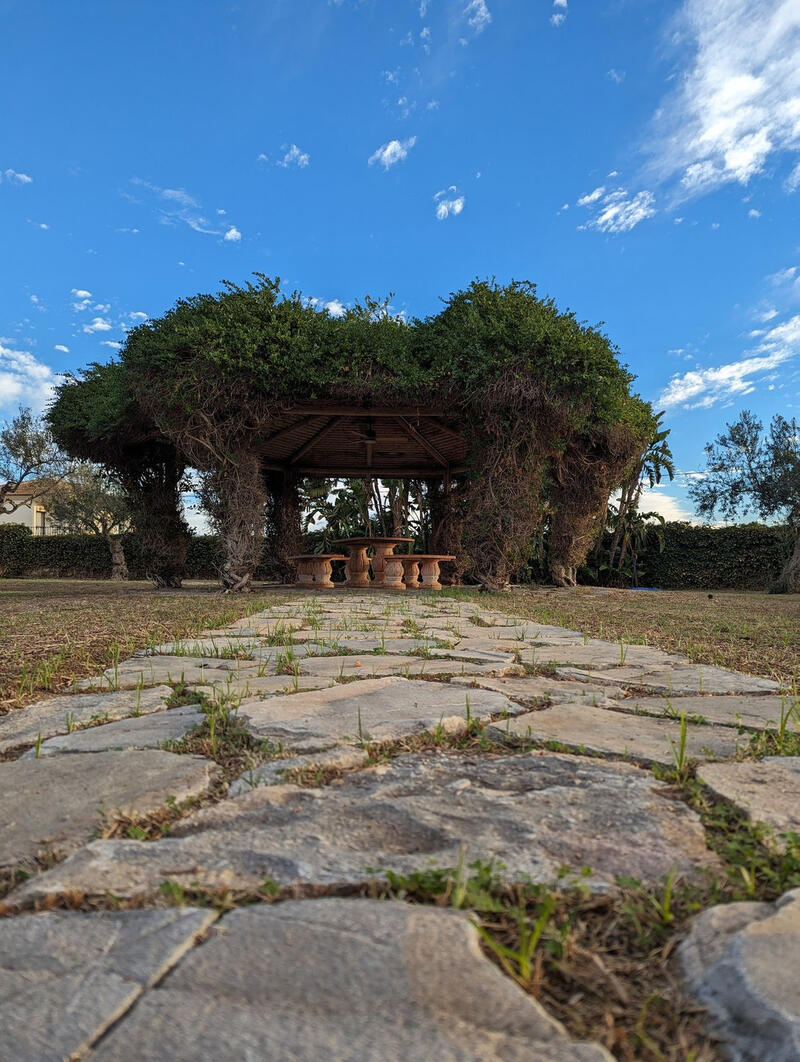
point(28, 454)
point(95, 417)
point(89, 501)
point(748, 468)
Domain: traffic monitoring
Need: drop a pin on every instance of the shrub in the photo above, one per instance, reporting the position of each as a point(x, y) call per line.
point(740, 557)
point(14, 542)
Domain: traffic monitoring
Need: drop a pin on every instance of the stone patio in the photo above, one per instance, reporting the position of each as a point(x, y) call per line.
point(327, 679)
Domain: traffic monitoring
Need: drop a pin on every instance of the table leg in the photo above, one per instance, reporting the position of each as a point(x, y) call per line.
point(322, 574)
point(430, 575)
point(305, 573)
point(393, 574)
point(357, 568)
point(411, 573)
point(382, 551)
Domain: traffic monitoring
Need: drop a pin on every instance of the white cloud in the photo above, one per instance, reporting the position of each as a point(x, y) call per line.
point(232, 235)
point(753, 213)
point(295, 157)
point(659, 500)
point(24, 380)
point(80, 293)
point(557, 19)
point(392, 152)
point(702, 388)
point(591, 197)
point(617, 76)
point(793, 180)
point(62, 348)
point(262, 158)
point(335, 308)
point(110, 343)
point(13, 177)
point(618, 211)
point(449, 203)
point(783, 276)
point(97, 324)
point(176, 205)
point(478, 15)
point(738, 104)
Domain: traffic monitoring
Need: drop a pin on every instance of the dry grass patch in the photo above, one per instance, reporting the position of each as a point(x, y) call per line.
point(758, 634)
point(54, 631)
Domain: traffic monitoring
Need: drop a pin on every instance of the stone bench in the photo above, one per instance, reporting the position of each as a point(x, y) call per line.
point(314, 569)
point(409, 566)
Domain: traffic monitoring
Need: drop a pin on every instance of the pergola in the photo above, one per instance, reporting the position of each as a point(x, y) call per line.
point(325, 439)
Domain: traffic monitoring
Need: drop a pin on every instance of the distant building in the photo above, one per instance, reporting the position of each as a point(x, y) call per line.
point(31, 510)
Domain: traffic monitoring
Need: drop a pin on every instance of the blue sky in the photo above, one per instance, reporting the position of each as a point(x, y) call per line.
point(638, 159)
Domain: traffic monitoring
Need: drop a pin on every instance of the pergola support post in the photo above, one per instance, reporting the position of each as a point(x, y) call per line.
point(446, 527)
point(283, 518)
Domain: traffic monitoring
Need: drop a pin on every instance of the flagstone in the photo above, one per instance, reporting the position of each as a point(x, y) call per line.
point(56, 803)
point(748, 710)
point(767, 790)
point(373, 710)
point(142, 732)
point(65, 977)
point(273, 772)
point(400, 982)
point(59, 715)
point(532, 690)
point(376, 665)
point(676, 681)
point(534, 813)
point(740, 960)
point(594, 729)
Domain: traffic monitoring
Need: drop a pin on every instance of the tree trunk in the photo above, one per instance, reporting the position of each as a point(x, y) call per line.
point(790, 576)
point(119, 568)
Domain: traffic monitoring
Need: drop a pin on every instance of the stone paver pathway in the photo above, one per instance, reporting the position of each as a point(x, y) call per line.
point(572, 726)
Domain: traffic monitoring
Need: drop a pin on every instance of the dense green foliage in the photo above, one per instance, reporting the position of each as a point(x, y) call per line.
point(748, 468)
point(14, 542)
point(740, 557)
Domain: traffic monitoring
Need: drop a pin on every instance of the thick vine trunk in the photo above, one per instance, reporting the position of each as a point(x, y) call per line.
point(285, 536)
point(119, 567)
point(238, 486)
point(155, 499)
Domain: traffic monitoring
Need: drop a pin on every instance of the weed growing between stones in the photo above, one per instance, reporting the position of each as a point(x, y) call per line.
point(600, 963)
point(222, 738)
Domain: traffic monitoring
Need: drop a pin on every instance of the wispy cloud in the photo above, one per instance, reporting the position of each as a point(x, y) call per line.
point(702, 388)
point(61, 348)
point(14, 177)
point(478, 15)
point(617, 210)
point(617, 76)
point(295, 157)
point(176, 205)
point(24, 380)
point(737, 106)
point(449, 203)
point(392, 152)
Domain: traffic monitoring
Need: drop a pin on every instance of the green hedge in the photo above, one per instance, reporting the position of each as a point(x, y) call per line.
point(15, 540)
point(741, 557)
point(87, 556)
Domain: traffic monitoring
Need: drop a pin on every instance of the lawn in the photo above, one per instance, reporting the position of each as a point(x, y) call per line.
point(53, 631)
point(756, 633)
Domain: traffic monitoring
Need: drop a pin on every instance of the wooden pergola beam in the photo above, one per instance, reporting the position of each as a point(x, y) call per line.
point(325, 410)
point(301, 451)
point(410, 430)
